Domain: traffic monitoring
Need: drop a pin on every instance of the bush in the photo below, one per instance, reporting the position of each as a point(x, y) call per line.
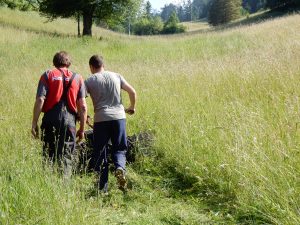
point(174, 29)
point(148, 26)
point(171, 26)
point(154, 25)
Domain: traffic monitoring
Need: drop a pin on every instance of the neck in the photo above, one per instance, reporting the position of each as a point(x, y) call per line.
point(62, 68)
point(100, 70)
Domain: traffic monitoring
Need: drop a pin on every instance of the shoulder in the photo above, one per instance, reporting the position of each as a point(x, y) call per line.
point(122, 79)
point(90, 79)
point(114, 74)
point(51, 74)
point(46, 75)
point(111, 73)
point(71, 73)
point(48, 72)
point(77, 76)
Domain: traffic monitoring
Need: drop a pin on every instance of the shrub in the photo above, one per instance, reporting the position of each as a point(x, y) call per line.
point(173, 29)
point(148, 26)
point(171, 26)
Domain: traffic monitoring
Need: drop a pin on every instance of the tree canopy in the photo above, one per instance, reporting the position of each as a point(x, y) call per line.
point(23, 5)
point(274, 4)
point(223, 11)
point(88, 9)
point(171, 26)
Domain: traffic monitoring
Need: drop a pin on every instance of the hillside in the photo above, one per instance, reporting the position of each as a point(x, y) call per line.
point(223, 107)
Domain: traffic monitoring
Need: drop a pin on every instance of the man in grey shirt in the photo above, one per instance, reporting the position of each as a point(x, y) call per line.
point(104, 88)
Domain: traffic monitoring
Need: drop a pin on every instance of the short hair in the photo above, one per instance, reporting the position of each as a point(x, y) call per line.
point(61, 59)
point(96, 61)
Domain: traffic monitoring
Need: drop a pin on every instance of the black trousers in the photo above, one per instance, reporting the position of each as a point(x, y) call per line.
point(59, 139)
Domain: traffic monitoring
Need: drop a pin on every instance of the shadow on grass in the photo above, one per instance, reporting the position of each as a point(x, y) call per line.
point(179, 184)
point(45, 32)
point(218, 197)
point(175, 220)
point(37, 31)
point(261, 17)
point(251, 20)
point(156, 172)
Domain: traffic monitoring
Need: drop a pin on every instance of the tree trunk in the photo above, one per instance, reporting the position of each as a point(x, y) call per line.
point(87, 22)
point(78, 24)
point(253, 5)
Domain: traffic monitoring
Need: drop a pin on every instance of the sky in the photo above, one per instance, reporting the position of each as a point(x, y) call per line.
point(157, 4)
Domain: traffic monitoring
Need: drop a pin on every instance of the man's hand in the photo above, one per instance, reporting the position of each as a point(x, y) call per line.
point(82, 109)
point(37, 109)
point(132, 97)
point(35, 131)
point(130, 110)
point(80, 135)
point(89, 122)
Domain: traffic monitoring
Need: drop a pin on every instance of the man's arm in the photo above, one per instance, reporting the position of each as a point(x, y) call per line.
point(132, 97)
point(37, 109)
point(82, 111)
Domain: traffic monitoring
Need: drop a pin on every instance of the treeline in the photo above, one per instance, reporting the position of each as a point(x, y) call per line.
point(128, 16)
point(147, 22)
point(221, 11)
point(199, 9)
point(138, 17)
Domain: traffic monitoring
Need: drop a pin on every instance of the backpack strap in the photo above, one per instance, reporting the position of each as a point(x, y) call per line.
point(66, 87)
point(61, 109)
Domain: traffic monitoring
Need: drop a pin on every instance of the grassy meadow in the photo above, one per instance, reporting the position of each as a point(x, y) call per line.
point(223, 107)
point(201, 25)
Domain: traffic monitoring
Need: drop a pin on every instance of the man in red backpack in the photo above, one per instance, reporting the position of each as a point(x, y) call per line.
point(60, 96)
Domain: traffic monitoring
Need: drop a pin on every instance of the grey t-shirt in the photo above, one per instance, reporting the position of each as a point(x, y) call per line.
point(105, 91)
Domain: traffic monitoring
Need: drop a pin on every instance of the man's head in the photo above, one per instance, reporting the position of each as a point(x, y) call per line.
point(61, 59)
point(96, 63)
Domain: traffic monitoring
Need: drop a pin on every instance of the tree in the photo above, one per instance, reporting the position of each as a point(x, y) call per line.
point(223, 11)
point(147, 23)
point(171, 26)
point(123, 21)
point(145, 26)
point(180, 13)
point(274, 4)
point(200, 8)
point(148, 9)
point(167, 11)
point(253, 6)
point(88, 9)
point(187, 7)
point(188, 10)
point(23, 5)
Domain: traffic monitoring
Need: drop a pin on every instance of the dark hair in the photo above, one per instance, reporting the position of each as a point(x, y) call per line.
point(61, 59)
point(96, 61)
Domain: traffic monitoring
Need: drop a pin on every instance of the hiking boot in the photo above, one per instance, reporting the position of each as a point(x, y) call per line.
point(120, 175)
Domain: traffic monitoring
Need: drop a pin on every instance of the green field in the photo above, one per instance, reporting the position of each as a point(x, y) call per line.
point(223, 107)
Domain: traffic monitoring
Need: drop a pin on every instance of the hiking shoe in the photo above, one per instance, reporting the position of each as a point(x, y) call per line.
point(120, 175)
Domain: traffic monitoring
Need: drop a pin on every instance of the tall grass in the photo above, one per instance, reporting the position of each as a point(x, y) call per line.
point(224, 108)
